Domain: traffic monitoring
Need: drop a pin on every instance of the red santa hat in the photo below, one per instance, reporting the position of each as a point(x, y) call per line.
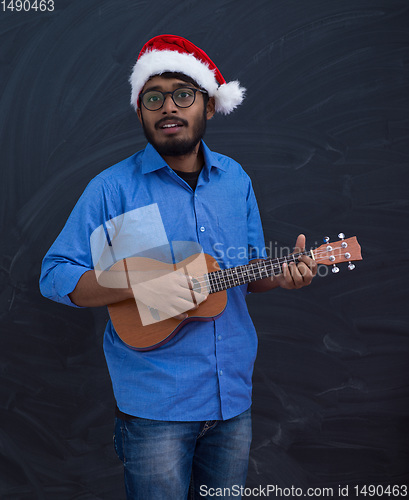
point(170, 53)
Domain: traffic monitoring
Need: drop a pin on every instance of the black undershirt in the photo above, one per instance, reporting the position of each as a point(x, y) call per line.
point(189, 177)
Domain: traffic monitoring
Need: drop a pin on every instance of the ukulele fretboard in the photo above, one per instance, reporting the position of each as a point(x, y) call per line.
point(240, 275)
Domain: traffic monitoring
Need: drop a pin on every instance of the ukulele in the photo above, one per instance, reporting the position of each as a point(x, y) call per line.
point(137, 334)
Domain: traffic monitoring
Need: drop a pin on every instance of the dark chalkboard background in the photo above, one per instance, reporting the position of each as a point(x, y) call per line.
point(324, 135)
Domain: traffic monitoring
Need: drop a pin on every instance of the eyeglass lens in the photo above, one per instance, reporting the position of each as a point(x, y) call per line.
point(154, 99)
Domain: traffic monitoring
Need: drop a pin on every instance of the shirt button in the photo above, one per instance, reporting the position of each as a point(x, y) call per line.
point(219, 337)
point(221, 372)
point(202, 229)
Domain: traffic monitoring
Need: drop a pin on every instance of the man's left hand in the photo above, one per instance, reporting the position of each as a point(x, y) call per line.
point(297, 275)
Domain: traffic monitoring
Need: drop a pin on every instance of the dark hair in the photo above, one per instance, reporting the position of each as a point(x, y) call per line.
point(180, 76)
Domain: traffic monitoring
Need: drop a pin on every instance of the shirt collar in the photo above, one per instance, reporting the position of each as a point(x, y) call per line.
point(152, 160)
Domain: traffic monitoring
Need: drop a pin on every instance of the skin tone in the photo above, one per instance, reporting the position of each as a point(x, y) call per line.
point(294, 275)
point(88, 292)
point(183, 118)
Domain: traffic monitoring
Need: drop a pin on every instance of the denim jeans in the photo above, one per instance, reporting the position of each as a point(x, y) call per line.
point(183, 460)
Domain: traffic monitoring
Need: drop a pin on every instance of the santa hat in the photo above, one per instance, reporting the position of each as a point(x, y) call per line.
point(170, 53)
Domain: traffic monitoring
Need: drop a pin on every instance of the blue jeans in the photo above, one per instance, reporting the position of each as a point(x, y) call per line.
point(183, 460)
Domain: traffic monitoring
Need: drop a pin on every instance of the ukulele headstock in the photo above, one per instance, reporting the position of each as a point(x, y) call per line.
point(344, 250)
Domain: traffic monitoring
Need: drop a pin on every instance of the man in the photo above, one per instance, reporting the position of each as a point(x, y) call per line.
point(183, 422)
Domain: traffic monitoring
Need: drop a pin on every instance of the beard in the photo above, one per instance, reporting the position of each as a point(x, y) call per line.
point(178, 147)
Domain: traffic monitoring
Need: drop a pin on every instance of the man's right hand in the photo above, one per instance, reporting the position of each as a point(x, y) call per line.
point(171, 293)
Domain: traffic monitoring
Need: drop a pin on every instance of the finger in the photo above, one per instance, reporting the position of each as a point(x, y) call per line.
point(311, 263)
point(184, 280)
point(189, 305)
point(297, 275)
point(186, 303)
point(199, 297)
point(305, 273)
point(300, 244)
point(181, 317)
point(180, 309)
point(181, 296)
point(287, 274)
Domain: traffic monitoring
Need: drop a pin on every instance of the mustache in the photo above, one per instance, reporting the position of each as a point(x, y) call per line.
point(165, 120)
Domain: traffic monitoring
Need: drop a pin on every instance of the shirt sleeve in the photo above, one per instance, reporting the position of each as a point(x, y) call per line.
point(70, 255)
point(256, 244)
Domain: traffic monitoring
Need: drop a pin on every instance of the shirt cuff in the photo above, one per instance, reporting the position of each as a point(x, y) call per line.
point(66, 277)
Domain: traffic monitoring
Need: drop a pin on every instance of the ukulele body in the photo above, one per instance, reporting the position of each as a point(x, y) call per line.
point(125, 314)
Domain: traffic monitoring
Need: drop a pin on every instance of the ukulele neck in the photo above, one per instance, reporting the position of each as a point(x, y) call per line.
point(241, 275)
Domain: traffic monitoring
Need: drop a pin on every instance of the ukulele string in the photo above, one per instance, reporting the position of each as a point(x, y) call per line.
point(246, 269)
point(270, 267)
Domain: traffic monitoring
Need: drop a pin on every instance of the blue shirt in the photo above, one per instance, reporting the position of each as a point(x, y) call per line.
point(205, 371)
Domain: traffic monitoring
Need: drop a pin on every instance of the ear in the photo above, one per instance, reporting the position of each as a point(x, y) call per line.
point(210, 108)
point(138, 112)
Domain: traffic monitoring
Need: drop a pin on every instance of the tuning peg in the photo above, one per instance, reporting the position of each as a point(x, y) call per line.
point(326, 239)
point(351, 266)
point(341, 236)
point(335, 269)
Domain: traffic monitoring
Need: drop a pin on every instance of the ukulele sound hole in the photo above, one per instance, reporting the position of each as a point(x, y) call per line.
point(196, 285)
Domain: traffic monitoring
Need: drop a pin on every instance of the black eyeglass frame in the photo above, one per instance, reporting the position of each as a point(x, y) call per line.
point(164, 94)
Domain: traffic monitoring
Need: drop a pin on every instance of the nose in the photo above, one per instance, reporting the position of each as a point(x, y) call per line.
point(168, 105)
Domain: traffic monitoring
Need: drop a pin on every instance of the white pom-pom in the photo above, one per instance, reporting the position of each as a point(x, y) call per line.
point(228, 96)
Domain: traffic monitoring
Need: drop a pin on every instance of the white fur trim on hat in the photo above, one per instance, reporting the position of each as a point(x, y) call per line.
point(155, 62)
point(228, 96)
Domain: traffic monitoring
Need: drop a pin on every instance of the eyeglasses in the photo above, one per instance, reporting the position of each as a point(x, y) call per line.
point(182, 97)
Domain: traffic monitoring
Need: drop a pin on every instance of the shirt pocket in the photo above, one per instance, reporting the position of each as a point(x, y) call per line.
point(233, 240)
